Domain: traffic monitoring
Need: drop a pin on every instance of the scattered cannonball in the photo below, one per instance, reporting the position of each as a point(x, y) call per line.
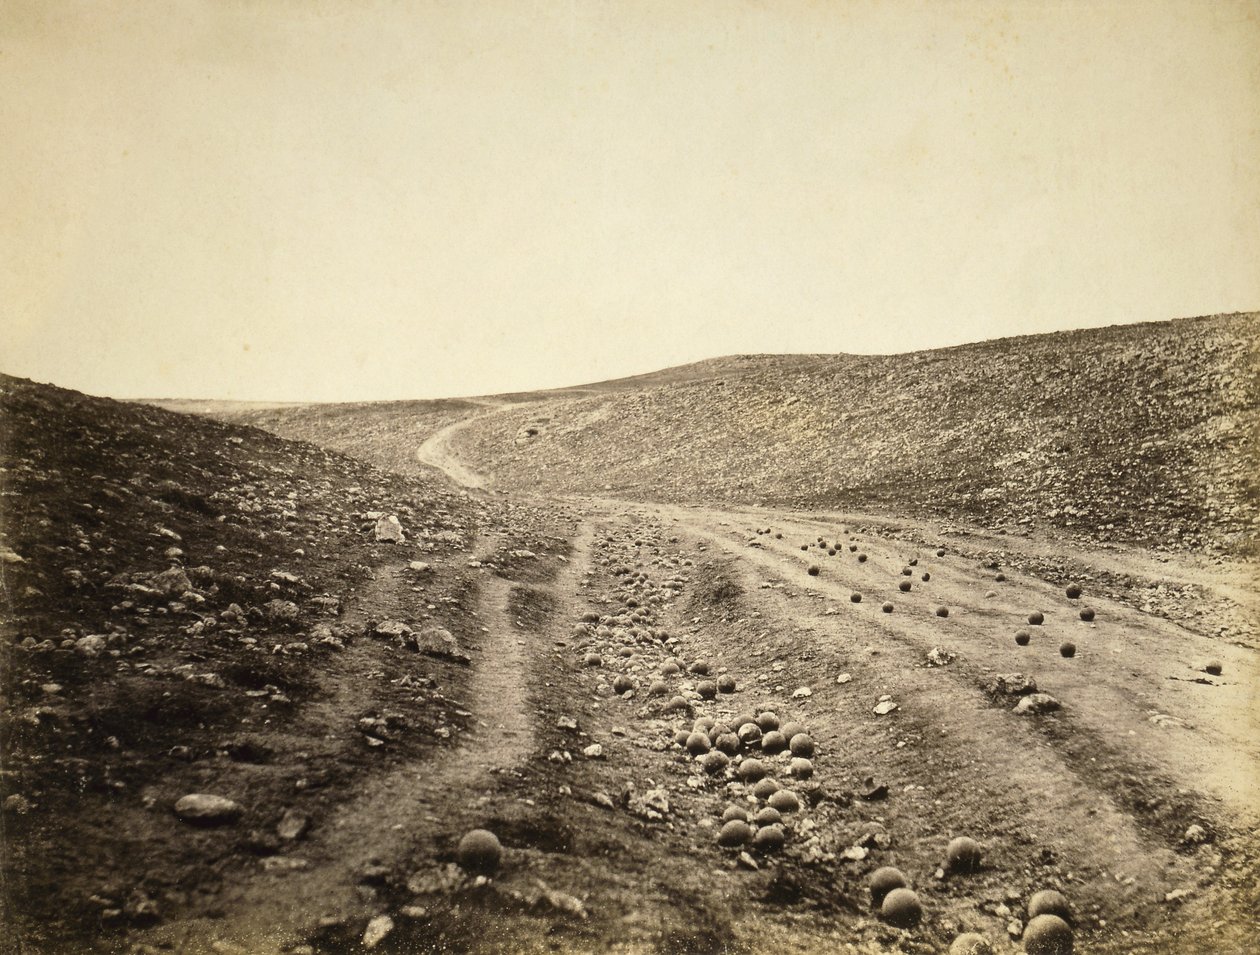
point(963, 854)
point(905, 586)
point(479, 851)
point(926, 577)
point(734, 833)
point(769, 839)
point(1000, 578)
point(592, 660)
point(852, 548)
point(907, 571)
point(773, 742)
point(1049, 902)
point(831, 552)
point(677, 703)
point(707, 689)
point(752, 770)
point(801, 768)
point(735, 812)
point(769, 720)
point(765, 788)
point(785, 801)
point(804, 547)
point(901, 908)
point(726, 684)
point(882, 881)
point(749, 734)
point(1074, 591)
point(1067, 649)
point(623, 684)
point(887, 606)
point(1087, 614)
point(715, 761)
point(701, 667)
point(940, 552)
point(1047, 935)
point(727, 743)
point(1036, 618)
point(813, 570)
point(681, 738)
point(861, 558)
point(1022, 637)
point(742, 719)
point(802, 744)
point(969, 943)
point(855, 598)
point(768, 816)
point(1213, 667)
point(697, 744)
point(942, 611)
point(670, 668)
point(658, 688)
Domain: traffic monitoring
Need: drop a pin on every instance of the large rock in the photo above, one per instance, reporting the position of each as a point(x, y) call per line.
point(389, 530)
point(206, 809)
point(1013, 684)
point(172, 582)
point(441, 643)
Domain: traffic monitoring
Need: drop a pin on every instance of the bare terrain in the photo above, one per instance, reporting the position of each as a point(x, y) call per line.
point(1004, 592)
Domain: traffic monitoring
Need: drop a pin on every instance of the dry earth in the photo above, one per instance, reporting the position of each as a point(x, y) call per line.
point(590, 637)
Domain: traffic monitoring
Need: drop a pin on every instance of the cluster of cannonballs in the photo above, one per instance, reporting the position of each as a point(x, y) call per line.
point(749, 748)
point(1035, 619)
point(1049, 928)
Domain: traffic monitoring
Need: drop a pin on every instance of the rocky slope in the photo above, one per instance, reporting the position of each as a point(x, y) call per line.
point(1142, 433)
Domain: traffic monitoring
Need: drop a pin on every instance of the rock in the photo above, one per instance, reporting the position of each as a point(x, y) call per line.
point(1195, 835)
point(293, 825)
point(171, 582)
point(392, 630)
point(388, 530)
point(418, 567)
point(281, 611)
point(594, 751)
point(802, 693)
point(939, 657)
point(479, 852)
point(206, 809)
point(969, 943)
point(884, 707)
point(653, 805)
point(377, 929)
point(1037, 703)
point(440, 642)
point(93, 645)
point(844, 678)
point(1013, 684)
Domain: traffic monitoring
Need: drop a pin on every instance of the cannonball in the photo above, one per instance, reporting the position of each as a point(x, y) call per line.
point(1000, 578)
point(801, 768)
point(1087, 614)
point(658, 688)
point(1022, 637)
point(727, 743)
point(942, 611)
point(882, 881)
point(905, 586)
point(707, 689)
point(697, 744)
point(623, 684)
point(804, 547)
point(765, 788)
point(861, 558)
point(791, 728)
point(802, 745)
point(1074, 591)
point(901, 908)
point(813, 570)
point(887, 606)
point(1067, 649)
point(726, 684)
point(940, 552)
point(785, 801)
point(773, 742)
point(768, 816)
point(734, 833)
point(852, 548)
point(1047, 935)
point(701, 667)
point(592, 660)
point(1036, 618)
point(752, 770)
point(735, 812)
point(1049, 902)
point(742, 718)
point(1213, 667)
point(681, 738)
point(715, 761)
point(769, 839)
point(749, 734)
point(670, 668)
point(969, 943)
point(907, 571)
point(963, 855)
point(768, 720)
point(926, 577)
point(479, 851)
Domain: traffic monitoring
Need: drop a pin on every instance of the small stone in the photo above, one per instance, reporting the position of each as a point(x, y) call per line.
point(207, 809)
point(293, 825)
point(884, 708)
point(1036, 704)
point(388, 530)
point(376, 930)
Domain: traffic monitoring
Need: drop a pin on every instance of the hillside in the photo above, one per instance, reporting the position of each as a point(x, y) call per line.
point(1143, 433)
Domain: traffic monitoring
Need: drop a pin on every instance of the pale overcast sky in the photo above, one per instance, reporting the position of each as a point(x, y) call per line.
point(294, 199)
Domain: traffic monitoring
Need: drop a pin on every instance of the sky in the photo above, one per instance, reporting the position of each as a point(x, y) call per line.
point(352, 200)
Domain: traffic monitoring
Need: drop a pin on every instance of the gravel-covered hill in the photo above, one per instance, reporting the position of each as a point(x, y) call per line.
point(1141, 433)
